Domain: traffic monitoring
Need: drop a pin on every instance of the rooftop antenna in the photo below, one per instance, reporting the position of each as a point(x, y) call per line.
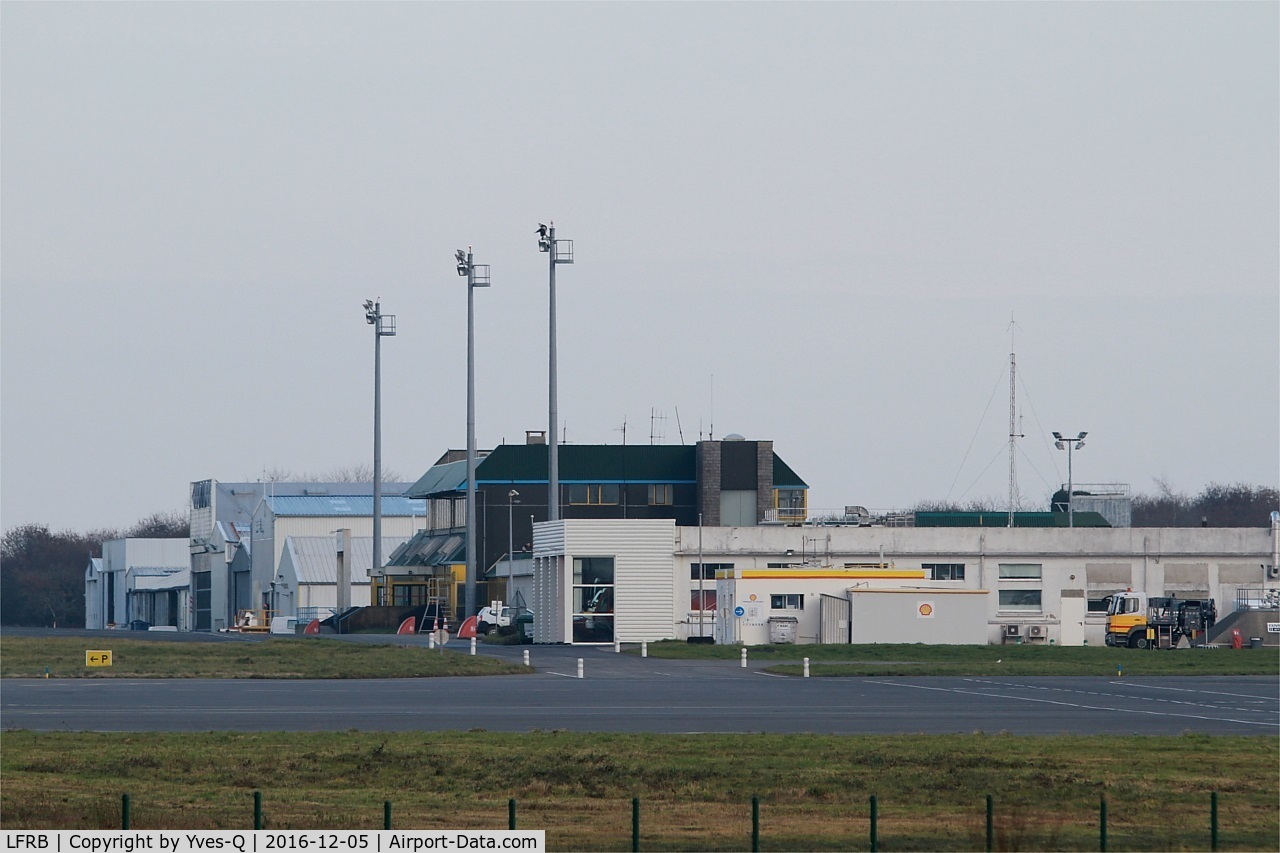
point(623, 430)
point(679, 428)
point(711, 432)
point(1013, 420)
point(656, 434)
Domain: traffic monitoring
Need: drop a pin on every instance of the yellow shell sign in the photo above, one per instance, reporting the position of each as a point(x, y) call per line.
point(925, 609)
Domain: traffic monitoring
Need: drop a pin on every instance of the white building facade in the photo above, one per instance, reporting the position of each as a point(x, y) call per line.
point(596, 581)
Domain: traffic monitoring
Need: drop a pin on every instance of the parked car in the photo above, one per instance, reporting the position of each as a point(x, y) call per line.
point(488, 618)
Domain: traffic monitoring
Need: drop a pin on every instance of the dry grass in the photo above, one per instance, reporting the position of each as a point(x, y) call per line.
point(695, 791)
point(268, 657)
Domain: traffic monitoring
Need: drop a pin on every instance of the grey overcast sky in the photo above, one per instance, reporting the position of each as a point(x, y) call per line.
point(834, 209)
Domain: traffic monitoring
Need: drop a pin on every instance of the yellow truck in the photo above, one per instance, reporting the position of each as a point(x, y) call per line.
point(1139, 621)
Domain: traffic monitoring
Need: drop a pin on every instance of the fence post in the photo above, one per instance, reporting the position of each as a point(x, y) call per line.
point(1102, 823)
point(635, 825)
point(257, 810)
point(511, 813)
point(875, 845)
point(126, 819)
point(386, 814)
point(991, 826)
point(755, 824)
point(1213, 821)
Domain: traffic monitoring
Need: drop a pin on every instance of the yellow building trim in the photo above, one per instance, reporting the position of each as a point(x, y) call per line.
point(854, 574)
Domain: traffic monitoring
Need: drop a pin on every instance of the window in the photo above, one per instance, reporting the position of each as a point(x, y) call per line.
point(1021, 571)
point(790, 503)
point(593, 599)
point(783, 565)
point(1020, 599)
point(1098, 602)
point(593, 494)
point(708, 600)
point(943, 571)
point(660, 494)
point(786, 602)
point(708, 570)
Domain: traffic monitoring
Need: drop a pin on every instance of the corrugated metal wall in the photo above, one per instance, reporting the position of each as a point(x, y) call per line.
point(644, 567)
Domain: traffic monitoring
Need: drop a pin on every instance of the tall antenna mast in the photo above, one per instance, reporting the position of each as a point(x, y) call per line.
point(1013, 422)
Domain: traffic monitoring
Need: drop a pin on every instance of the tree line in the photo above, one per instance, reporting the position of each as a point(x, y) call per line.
point(42, 572)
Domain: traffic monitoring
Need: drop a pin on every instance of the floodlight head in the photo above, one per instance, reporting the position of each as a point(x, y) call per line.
point(1081, 436)
point(462, 262)
point(513, 494)
point(1058, 436)
point(370, 312)
point(1059, 445)
point(1079, 445)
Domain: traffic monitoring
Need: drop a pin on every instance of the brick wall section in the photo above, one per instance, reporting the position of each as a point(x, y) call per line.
point(764, 479)
point(709, 482)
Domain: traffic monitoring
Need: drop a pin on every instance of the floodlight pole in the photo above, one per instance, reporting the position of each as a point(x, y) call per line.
point(511, 568)
point(1069, 444)
point(467, 267)
point(384, 326)
point(548, 243)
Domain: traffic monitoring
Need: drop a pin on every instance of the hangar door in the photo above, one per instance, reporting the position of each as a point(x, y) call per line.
point(834, 616)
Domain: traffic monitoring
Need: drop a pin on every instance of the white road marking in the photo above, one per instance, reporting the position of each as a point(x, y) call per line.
point(1077, 705)
point(1185, 690)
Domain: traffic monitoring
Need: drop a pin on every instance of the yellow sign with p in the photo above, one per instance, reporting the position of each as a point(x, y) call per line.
point(97, 657)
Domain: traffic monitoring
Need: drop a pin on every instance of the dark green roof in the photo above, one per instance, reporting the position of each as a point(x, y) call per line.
point(596, 463)
point(591, 463)
point(449, 477)
point(784, 477)
point(1001, 519)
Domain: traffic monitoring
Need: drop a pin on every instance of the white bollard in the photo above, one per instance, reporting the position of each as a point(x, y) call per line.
point(580, 667)
point(526, 657)
point(617, 646)
point(806, 667)
point(431, 640)
point(473, 645)
point(744, 658)
point(644, 648)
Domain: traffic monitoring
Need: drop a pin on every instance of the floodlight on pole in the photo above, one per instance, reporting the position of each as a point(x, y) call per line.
point(1069, 445)
point(511, 566)
point(477, 275)
point(384, 326)
point(559, 252)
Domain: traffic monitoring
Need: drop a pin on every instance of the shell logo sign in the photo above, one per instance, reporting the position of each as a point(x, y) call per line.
point(925, 610)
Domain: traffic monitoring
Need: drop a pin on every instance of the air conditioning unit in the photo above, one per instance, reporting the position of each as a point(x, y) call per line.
point(1036, 631)
point(1012, 630)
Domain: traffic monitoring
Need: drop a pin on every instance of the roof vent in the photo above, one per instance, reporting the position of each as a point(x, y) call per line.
point(535, 436)
point(733, 436)
point(315, 491)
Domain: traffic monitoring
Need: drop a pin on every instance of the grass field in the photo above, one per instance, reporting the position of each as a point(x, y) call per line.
point(695, 790)
point(290, 657)
point(919, 659)
point(275, 657)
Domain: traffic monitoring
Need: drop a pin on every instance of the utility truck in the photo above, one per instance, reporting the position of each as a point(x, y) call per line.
point(1139, 621)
